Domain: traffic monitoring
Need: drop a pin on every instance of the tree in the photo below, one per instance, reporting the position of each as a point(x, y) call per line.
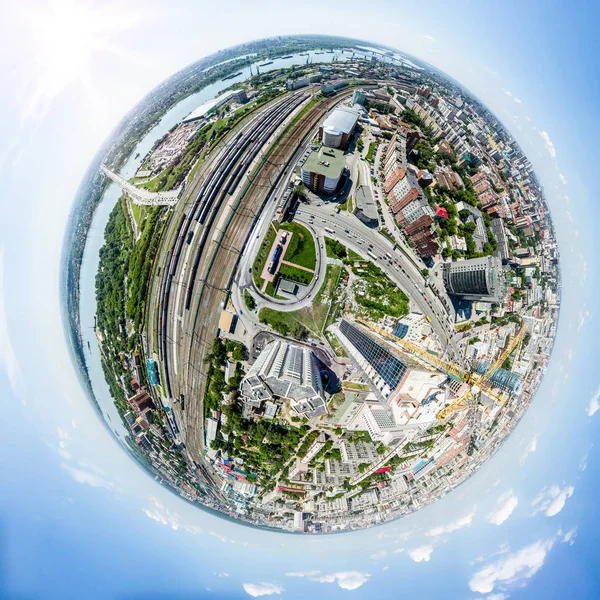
point(425, 273)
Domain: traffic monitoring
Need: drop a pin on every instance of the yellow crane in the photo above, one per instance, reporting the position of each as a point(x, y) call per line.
point(480, 381)
point(475, 380)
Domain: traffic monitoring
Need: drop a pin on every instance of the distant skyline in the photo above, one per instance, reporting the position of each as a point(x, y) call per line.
point(81, 519)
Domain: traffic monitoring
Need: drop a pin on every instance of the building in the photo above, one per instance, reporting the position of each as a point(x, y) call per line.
point(503, 249)
point(322, 169)
point(227, 322)
point(357, 453)
point(359, 97)
point(365, 208)
point(314, 449)
point(284, 370)
point(207, 108)
point(140, 402)
point(239, 96)
point(384, 369)
point(477, 279)
point(296, 84)
point(338, 126)
point(331, 87)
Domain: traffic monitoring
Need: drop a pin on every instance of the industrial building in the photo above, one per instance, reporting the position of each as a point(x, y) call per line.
point(477, 279)
point(284, 370)
point(210, 106)
point(322, 169)
point(296, 84)
point(337, 128)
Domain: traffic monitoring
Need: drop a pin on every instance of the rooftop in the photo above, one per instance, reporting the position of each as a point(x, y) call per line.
point(365, 202)
point(325, 161)
point(342, 119)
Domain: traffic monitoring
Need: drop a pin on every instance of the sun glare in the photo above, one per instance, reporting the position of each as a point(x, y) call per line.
point(67, 35)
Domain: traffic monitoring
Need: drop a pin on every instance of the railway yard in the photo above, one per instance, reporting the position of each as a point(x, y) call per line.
point(407, 317)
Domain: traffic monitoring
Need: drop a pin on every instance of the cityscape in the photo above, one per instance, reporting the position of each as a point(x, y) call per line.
point(329, 292)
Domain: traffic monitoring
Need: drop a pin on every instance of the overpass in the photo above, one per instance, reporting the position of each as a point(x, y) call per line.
point(141, 196)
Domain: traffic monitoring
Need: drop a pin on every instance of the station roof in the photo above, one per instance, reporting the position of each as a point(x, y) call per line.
point(342, 119)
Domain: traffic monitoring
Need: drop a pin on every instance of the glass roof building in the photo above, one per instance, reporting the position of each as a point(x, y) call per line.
point(385, 370)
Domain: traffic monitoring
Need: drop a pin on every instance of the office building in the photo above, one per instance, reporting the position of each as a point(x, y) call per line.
point(338, 127)
point(359, 97)
point(384, 369)
point(477, 279)
point(286, 371)
point(322, 170)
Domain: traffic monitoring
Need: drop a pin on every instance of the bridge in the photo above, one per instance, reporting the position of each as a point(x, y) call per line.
point(141, 196)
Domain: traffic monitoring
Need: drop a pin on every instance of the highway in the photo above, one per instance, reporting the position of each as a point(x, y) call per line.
point(361, 239)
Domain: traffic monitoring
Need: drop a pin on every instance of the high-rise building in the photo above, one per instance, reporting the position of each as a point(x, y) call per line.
point(477, 279)
point(384, 369)
point(359, 97)
point(286, 371)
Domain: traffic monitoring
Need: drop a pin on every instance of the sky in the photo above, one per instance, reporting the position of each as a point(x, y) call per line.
point(79, 518)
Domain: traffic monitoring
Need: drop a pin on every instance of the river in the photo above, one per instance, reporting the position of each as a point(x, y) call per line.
point(95, 238)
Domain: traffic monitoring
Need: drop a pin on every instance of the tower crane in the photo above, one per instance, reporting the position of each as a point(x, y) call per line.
point(476, 381)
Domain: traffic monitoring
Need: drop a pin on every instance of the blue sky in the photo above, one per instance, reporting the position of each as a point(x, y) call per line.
point(78, 518)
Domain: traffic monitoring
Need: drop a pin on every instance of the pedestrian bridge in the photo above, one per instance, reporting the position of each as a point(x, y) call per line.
point(141, 196)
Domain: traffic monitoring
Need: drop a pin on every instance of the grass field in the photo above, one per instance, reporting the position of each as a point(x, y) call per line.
point(381, 296)
point(370, 152)
point(138, 212)
point(301, 249)
point(294, 274)
point(311, 318)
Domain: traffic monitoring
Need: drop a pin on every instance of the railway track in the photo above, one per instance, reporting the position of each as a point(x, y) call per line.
point(217, 269)
point(222, 179)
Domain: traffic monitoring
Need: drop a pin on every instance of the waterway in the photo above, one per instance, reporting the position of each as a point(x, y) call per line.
point(95, 238)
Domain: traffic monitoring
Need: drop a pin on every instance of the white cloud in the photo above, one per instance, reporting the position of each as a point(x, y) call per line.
point(517, 100)
point(161, 514)
point(422, 553)
point(531, 447)
point(594, 403)
point(569, 537)
point(508, 93)
point(379, 555)
point(551, 500)
point(86, 477)
point(8, 358)
point(504, 508)
point(548, 143)
point(562, 178)
point(496, 597)
point(347, 580)
point(262, 589)
point(584, 315)
point(453, 526)
point(429, 38)
point(517, 566)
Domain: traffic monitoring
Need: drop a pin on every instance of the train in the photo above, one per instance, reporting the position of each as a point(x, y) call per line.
point(221, 181)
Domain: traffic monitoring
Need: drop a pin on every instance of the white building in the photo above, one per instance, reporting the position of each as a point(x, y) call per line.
point(286, 371)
